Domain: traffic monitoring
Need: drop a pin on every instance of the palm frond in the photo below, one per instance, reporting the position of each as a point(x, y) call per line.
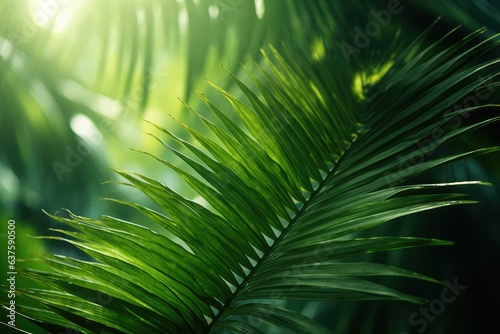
point(314, 164)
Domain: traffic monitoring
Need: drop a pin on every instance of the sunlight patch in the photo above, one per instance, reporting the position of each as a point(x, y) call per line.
point(84, 127)
point(363, 79)
point(318, 49)
point(213, 11)
point(60, 14)
point(260, 8)
point(317, 92)
point(183, 20)
point(5, 48)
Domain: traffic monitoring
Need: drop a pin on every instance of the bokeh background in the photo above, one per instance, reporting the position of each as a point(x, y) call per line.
point(78, 77)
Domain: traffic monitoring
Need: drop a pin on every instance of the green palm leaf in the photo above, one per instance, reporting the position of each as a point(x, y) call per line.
point(314, 164)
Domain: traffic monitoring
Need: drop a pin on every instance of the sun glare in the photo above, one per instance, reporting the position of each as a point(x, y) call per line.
point(58, 15)
point(85, 128)
point(259, 8)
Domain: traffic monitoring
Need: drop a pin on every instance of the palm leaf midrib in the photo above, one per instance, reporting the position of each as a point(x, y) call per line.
point(333, 170)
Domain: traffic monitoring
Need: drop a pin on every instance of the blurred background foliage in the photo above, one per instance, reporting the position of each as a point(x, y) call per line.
point(77, 77)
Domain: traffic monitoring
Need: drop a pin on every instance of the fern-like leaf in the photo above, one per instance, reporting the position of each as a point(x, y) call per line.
point(314, 164)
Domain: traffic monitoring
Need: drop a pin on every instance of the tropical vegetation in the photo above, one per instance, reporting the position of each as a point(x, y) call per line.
point(280, 187)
